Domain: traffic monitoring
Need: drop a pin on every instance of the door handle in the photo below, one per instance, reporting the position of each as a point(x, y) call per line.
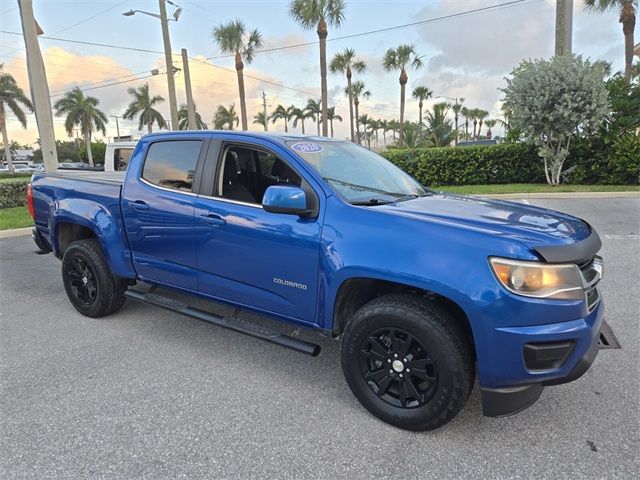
point(213, 219)
point(139, 205)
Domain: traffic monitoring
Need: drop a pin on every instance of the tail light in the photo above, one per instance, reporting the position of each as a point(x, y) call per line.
point(32, 211)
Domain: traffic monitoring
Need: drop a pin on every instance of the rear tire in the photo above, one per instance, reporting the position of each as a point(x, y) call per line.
point(407, 361)
point(91, 287)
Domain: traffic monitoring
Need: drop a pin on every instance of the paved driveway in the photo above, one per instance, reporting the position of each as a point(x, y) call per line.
point(149, 394)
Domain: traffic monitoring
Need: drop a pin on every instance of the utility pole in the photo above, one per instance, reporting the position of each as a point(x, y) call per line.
point(191, 107)
point(169, 63)
point(564, 27)
point(39, 86)
point(117, 126)
point(264, 110)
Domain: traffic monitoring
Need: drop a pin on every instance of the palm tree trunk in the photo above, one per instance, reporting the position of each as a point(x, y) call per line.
point(149, 127)
point(5, 141)
point(456, 136)
point(322, 36)
point(302, 121)
point(628, 20)
point(356, 102)
point(402, 95)
point(243, 104)
point(475, 124)
point(331, 124)
point(350, 104)
point(479, 127)
point(286, 126)
point(319, 125)
point(87, 142)
point(420, 117)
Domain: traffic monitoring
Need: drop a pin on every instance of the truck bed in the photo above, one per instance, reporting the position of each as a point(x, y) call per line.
point(116, 178)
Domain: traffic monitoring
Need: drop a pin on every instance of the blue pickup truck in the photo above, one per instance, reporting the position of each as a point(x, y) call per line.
point(425, 290)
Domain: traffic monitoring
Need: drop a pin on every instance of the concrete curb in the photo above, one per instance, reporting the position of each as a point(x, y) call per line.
point(562, 195)
point(16, 232)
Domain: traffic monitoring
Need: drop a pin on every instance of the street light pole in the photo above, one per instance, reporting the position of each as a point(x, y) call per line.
point(117, 126)
point(191, 108)
point(39, 86)
point(169, 63)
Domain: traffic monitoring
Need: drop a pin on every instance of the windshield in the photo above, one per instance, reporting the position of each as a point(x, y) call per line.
point(359, 175)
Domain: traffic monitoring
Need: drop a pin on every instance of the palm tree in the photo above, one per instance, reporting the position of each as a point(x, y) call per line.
point(421, 94)
point(235, 39)
point(490, 124)
point(358, 91)
point(473, 113)
point(13, 98)
point(319, 13)
point(394, 126)
point(333, 116)
point(456, 115)
point(183, 119)
point(314, 110)
point(283, 113)
point(261, 119)
point(225, 117)
point(466, 113)
point(481, 115)
point(439, 131)
point(142, 105)
point(384, 126)
point(506, 113)
point(346, 62)
point(300, 115)
point(401, 58)
point(365, 121)
point(83, 112)
point(627, 9)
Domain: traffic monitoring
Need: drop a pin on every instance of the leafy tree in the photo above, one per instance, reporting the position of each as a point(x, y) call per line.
point(260, 119)
point(624, 113)
point(234, 38)
point(402, 58)
point(13, 98)
point(300, 115)
point(333, 116)
point(358, 90)
point(142, 106)
point(554, 101)
point(319, 13)
point(314, 109)
point(183, 118)
point(225, 118)
point(283, 113)
point(627, 9)
point(421, 94)
point(347, 62)
point(98, 150)
point(83, 112)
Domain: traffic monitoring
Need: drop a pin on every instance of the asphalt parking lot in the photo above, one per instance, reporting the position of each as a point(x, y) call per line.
point(149, 394)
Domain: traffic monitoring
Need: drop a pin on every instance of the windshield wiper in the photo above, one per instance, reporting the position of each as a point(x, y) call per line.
point(370, 202)
point(412, 196)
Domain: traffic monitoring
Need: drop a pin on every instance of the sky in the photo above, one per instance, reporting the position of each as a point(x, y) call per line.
point(465, 56)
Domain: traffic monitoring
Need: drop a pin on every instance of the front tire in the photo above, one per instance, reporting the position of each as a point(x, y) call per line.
point(91, 287)
point(407, 361)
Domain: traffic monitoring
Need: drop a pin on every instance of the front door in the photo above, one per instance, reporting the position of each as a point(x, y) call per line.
point(158, 205)
point(266, 261)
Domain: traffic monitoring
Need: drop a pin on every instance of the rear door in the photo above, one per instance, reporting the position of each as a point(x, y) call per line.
point(261, 260)
point(158, 207)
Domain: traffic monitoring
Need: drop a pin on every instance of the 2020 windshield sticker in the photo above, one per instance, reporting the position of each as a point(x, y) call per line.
point(307, 147)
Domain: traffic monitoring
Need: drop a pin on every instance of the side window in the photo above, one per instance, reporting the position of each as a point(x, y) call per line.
point(172, 164)
point(247, 172)
point(121, 158)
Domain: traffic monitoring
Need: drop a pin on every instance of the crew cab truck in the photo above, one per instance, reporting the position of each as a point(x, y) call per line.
point(425, 290)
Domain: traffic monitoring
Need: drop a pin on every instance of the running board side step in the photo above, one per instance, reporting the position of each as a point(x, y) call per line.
point(237, 325)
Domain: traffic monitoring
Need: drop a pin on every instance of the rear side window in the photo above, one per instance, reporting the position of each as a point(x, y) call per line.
point(172, 164)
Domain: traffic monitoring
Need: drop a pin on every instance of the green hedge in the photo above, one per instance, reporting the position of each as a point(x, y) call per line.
point(590, 162)
point(12, 193)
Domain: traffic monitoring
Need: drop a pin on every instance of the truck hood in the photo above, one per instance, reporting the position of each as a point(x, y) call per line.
point(533, 225)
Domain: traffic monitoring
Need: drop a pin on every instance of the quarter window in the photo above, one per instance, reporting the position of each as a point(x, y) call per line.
point(172, 164)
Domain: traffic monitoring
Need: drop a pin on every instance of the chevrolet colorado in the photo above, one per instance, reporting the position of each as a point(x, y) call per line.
point(425, 290)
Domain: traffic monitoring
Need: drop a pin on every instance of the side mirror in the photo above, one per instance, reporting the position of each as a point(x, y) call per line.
point(285, 199)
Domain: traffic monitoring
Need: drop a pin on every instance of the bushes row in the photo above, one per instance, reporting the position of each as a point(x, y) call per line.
point(13, 192)
point(590, 162)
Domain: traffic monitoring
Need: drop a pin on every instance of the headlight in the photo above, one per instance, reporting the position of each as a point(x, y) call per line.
point(539, 280)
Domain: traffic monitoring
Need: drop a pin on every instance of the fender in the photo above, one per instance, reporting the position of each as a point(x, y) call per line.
point(102, 222)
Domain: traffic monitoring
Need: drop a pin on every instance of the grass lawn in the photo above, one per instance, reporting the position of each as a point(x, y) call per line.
point(19, 176)
point(16, 217)
point(533, 188)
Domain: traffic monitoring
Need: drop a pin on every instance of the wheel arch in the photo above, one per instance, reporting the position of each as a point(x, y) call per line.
point(354, 292)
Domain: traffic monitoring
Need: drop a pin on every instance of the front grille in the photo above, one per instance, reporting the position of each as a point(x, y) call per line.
point(591, 275)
